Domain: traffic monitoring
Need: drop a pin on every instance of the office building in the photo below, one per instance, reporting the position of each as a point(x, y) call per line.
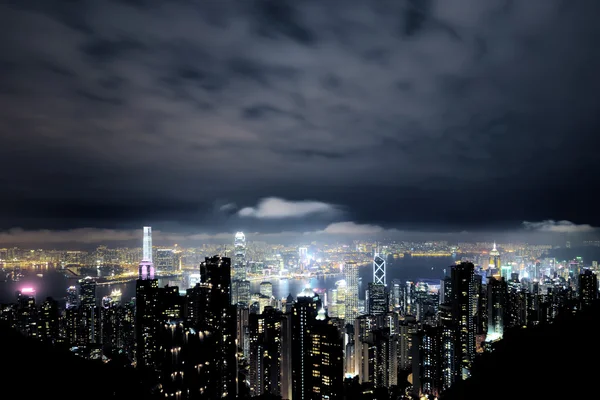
point(379, 277)
point(463, 298)
point(166, 260)
point(326, 358)
point(219, 318)
point(588, 288)
point(266, 289)
point(266, 338)
point(497, 294)
point(147, 244)
point(495, 261)
point(351, 278)
point(303, 315)
point(376, 298)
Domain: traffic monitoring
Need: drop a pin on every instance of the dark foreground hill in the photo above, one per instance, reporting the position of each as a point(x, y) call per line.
point(558, 361)
point(30, 369)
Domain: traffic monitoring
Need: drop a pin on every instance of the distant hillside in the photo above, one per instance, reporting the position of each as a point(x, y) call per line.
point(558, 361)
point(588, 253)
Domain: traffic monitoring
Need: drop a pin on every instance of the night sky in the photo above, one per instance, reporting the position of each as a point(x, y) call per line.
point(332, 116)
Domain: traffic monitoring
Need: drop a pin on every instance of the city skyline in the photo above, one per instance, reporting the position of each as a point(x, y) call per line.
point(205, 327)
point(279, 116)
point(555, 233)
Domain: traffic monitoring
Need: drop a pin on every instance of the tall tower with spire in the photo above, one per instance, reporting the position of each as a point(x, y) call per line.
point(146, 268)
point(378, 269)
point(495, 258)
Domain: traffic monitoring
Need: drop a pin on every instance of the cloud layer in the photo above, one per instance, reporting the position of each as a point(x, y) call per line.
point(416, 114)
point(352, 228)
point(559, 227)
point(275, 208)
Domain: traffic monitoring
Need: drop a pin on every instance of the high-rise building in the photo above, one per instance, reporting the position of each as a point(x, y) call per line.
point(87, 292)
point(266, 289)
point(90, 314)
point(495, 261)
point(165, 260)
point(27, 315)
point(588, 288)
point(304, 313)
point(147, 244)
point(378, 353)
point(497, 294)
point(326, 356)
point(409, 303)
point(184, 365)
point(505, 272)
point(146, 266)
point(219, 318)
point(463, 299)
point(266, 337)
point(351, 278)
point(287, 345)
point(426, 362)
point(239, 260)
point(240, 292)
point(377, 299)
point(379, 270)
point(147, 322)
point(242, 329)
point(396, 294)
point(302, 258)
point(240, 286)
point(406, 329)
point(72, 300)
point(448, 373)
point(71, 322)
point(446, 290)
point(48, 326)
point(110, 328)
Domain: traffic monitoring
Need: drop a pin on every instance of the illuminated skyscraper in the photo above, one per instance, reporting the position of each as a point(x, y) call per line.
point(377, 299)
point(240, 286)
point(147, 244)
point(146, 267)
point(87, 292)
point(463, 298)
point(166, 260)
point(27, 315)
point(266, 337)
point(302, 253)
point(495, 258)
point(218, 317)
point(72, 299)
point(90, 313)
point(147, 322)
point(497, 293)
point(326, 358)
point(379, 270)
point(447, 360)
point(304, 313)
point(239, 260)
point(351, 278)
point(48, 325)
point(266, 289)
point(426, 354)
point(588, 288)
point(396, 294)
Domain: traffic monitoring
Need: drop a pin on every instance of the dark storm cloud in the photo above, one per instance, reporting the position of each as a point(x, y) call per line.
point(409, 114)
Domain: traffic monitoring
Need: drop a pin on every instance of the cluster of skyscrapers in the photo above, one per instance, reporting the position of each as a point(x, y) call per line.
point(219, 341)
point(87, 327)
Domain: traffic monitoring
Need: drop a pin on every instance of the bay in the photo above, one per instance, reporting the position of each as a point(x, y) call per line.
point(53, 283)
